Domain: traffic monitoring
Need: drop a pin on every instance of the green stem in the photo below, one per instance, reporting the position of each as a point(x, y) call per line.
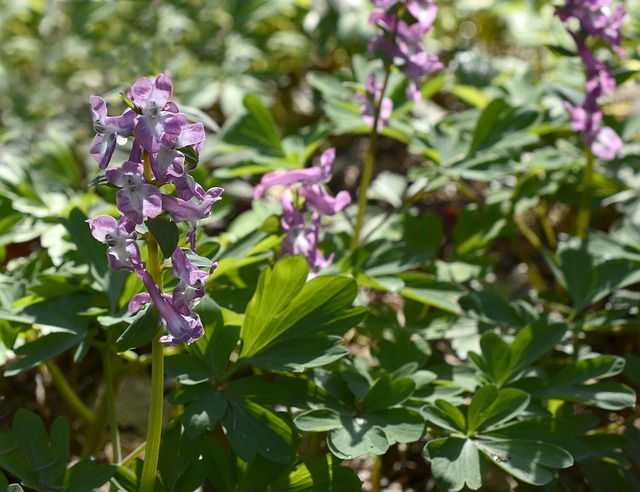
point(584, 210)
point(68, 393)
point(110, 396)
point(367, 170)
point(154, 429)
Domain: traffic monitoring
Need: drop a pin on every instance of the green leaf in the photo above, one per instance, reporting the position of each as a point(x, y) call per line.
point(497, 122)
point(85, 475)
point(387, 393)
point(356, 437)
point(48, 463)
point(322, 474)
point(219, 340)
point(180, 462)
point(255, 129)
point(568, 384)
point(287, 312)
point(166, 233)
point(219, 465)
point(530, 461)
point(400, 425)
point(141, 331)
point(320, 420)
point(532, 342)
point(252, 429)
point(444, 414)
point(203, 414)
point(497, 357)
point(427, 290)
point(455, 463)
point(41, 350)
point(490, 407)
point(277, 287)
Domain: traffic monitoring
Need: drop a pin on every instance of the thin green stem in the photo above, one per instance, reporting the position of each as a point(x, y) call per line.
point(367, 170)
point(68, 393)
point(584, 210)
point(154, 429)
point(110, 396)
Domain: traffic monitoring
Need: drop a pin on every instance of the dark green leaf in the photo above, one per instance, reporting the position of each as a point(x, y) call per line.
point(322, 474)
point(455, 463)
point(41, 350)
point(387, 393)
point(490, 407)
point(320, 420)
point(530, 461)
point(85, 475)
point(356, 437)
point(444, 414)
point(253, 429)
point(255, 129)
point(202, 415)
point(166, 233)
point(141, 331)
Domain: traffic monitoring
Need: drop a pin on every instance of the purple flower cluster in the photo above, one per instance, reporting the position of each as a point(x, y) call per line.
point(161, 140)
point(402, 41)
point(305, 185)
point(598, 20)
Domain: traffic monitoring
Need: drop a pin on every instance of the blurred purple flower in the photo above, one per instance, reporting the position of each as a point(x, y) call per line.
point(310, 175)
point(368, 102)
point(597, 19)
point(300, 238)
point(123, 252)
point(108, 130)
point(402, 42)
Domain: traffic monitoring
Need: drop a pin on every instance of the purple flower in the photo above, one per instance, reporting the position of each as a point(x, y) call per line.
point(158, 122)
point(169, 161)
point(368, 102)
point(597, 19)
point(311, 175)
point(136, 199)
point(402, 42)
point(123, 252)
point(606, 144)
point(108, 129)
point(181, 328)
point(192, 283)
point(320, 201)
point(191, 210)
point(300, 239)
